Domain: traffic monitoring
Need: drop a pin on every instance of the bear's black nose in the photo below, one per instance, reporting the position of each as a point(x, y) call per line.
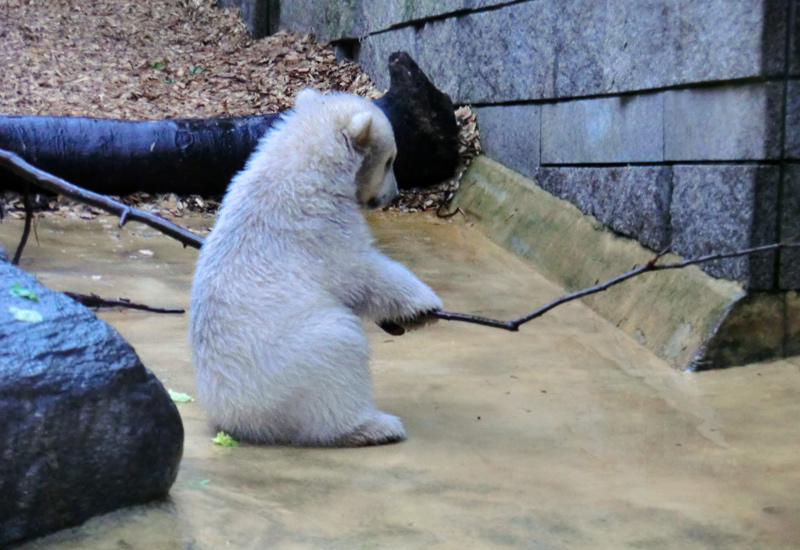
point(373, 203)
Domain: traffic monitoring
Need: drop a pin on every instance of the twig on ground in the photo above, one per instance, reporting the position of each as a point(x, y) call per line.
point(440, 213)
point(651, 265)
point(95, 301)
point(57, 185)
point(26, 200)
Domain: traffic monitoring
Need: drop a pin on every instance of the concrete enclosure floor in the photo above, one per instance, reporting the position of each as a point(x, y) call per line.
point(567, 434)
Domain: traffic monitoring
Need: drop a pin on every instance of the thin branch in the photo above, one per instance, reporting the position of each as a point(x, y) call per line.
point(651, 265)
point(476, 320)
point(57, 185)
point(95, 301)
point(26, 200)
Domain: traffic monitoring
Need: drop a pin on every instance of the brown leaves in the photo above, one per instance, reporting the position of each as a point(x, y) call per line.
point(154, 60)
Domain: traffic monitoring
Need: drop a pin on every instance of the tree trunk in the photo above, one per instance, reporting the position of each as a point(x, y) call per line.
point(116, 157)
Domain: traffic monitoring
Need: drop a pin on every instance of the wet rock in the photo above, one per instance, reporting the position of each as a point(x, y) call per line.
point(424, 125)
point(85, 428)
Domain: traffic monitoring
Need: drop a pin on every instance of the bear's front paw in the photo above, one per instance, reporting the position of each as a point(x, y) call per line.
point(398, 327)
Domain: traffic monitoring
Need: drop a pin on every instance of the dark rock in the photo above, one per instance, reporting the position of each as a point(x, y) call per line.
point(85, 428)
point(424, 125)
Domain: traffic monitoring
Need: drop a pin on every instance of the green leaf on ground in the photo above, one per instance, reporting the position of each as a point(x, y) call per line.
point(224, 440)
point(20, 292)
point(179, 397)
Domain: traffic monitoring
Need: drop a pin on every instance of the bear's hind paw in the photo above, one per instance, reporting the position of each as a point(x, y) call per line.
point(380, 429)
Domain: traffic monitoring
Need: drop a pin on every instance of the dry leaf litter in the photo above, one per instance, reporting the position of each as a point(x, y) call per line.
point(168, 59)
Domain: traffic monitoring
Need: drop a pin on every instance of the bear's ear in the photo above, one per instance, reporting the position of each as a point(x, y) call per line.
point(307, 96)
point(359, 130)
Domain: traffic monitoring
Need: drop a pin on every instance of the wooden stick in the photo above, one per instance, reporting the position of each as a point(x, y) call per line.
point(95, 301)
point(126, 213)
point(652, 265)
point(26, 200)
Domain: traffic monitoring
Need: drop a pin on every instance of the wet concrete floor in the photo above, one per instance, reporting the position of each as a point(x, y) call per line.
point(565, 435)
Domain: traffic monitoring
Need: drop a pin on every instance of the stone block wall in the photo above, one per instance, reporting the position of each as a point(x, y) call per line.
point(674, 122)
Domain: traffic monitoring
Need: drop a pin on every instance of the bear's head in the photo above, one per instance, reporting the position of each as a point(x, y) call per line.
point(367, 133)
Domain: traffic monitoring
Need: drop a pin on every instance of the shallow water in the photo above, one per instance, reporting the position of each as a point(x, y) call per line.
point(565, 435)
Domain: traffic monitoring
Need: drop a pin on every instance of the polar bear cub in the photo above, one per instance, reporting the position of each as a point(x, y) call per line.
point(287, 274)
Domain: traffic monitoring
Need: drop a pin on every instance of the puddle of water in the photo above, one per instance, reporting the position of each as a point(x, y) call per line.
point(565, 435)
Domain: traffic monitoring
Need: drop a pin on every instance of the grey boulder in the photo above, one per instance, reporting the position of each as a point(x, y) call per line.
point(85, 428)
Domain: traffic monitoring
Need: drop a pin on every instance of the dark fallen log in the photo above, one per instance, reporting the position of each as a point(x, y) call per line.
point(200, 156)
point(85, 428)
point(119, 157)
point(424, 126)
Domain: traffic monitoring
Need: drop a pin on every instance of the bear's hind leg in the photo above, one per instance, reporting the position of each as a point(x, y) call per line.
point(331, 400)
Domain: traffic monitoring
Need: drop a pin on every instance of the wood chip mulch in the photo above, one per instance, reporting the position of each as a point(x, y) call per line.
point(167, 59)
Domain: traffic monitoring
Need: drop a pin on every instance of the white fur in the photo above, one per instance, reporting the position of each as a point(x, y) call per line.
point(288, 272)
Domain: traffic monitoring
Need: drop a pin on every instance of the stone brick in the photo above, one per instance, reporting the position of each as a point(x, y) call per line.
point(726, 39)
point(606, 47)
point(794, 39)
point(510, 134)
point(633, 200)
point(327, 20)
point(793, 120)
point(397, 12)
point(731, 122)
point(606, 130)
point(492, 56)
point(445, 57)
point(725, 208)
point(613, 46)
point(790, 228)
